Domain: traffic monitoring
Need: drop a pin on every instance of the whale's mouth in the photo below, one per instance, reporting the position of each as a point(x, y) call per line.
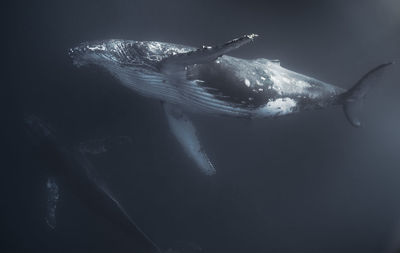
point(76, 56)
point(87, 53)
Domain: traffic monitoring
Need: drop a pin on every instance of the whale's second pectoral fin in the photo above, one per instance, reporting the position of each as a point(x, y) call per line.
point(185, 132)
point(52, 199)
point(207, 53)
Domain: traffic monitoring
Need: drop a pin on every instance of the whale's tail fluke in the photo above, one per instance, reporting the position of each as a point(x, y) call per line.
point(353, 98)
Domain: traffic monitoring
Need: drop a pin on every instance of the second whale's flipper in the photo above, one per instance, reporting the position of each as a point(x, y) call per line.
point(353, 98)
point(207, 53)
point(52, 199)
point(186, 134)
point(76, 173)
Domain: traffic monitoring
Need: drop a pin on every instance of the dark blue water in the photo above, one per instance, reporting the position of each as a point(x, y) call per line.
point(303, 183)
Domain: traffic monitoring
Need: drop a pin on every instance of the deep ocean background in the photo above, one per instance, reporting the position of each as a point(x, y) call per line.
point(302, 183)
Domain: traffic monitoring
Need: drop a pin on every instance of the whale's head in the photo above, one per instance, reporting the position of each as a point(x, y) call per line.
point(108, 53)
point(100, 53)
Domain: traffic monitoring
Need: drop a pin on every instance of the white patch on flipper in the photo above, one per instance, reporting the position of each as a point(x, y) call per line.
point(279, 106)
point(185, 133)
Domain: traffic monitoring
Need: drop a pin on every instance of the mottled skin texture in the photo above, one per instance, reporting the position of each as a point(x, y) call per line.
point(222, 85)
point(251, 84)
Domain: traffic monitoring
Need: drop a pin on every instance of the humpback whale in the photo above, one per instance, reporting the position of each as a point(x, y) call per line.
point(207, 81)
point(73, 171)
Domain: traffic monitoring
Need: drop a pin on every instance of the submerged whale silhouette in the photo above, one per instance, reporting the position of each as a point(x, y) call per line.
point(205, 80)
point(72, 171)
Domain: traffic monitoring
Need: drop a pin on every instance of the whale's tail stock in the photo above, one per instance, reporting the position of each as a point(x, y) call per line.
point(353, 98)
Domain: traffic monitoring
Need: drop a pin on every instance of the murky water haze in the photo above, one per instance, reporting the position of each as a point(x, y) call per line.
point(303, 183)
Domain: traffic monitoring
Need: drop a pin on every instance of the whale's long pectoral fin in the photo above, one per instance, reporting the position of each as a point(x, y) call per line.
point(52, 199)
point(185, 132)
point(207, 53)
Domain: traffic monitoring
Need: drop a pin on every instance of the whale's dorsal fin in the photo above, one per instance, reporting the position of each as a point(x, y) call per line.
point(207, 53)
point(186, 134)
point(276, 61)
